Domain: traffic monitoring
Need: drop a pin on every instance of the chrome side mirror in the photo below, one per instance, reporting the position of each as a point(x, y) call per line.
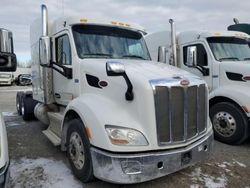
point(8, 61)
point(44, 50)
point(191, 56)
point(162, 54)
point(115, 68)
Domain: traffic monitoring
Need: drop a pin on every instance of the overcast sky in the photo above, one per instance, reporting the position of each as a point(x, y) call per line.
point(16, 15)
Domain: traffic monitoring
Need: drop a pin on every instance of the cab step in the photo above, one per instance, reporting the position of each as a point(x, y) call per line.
point(54, 130)
point(56, 141)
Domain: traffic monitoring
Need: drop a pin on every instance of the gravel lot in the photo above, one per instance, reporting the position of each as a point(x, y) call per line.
point(35, 162)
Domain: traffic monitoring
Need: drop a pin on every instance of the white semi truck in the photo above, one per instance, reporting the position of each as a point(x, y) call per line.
point(121, 117)
point(6, 78)
point(222, 59)
point(7, 64)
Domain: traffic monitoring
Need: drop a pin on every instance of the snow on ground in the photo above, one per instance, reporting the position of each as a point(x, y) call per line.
point(43, 173)
point(207, 180)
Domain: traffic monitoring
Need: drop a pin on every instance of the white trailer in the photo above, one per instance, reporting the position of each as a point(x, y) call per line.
point(7, 64)
point(222, 60)
point(121, 117)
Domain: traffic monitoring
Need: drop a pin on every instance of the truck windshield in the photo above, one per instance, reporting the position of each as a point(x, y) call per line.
point(229, 48)
point(94, 41)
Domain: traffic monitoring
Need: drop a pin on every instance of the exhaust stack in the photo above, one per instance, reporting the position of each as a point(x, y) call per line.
point(236, 21)
point(44, 20)
point(173, 42)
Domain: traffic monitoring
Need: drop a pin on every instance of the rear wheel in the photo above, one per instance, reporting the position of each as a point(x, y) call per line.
point(78, 151)
point(27, 107)
point(229, 122)
point(19, 102)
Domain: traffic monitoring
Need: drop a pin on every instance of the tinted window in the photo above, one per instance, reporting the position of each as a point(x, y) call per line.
point(63, 52)
point(201, 54)
point(229, 48)
point(94, 41)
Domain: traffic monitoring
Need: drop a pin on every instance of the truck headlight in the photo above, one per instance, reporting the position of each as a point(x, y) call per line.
point(125, 136)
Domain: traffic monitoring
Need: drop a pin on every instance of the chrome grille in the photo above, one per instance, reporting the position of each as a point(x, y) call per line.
point(181, 112)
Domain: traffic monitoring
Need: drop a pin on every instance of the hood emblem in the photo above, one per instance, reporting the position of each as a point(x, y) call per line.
point(184, 82)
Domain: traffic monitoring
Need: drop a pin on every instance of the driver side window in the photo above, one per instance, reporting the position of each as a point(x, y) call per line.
point(63, 50)
point(201, 55)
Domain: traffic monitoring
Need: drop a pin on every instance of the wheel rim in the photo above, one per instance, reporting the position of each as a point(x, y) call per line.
point(76, 150)
point(18, 106)
point(22, 109)
point(224, 124)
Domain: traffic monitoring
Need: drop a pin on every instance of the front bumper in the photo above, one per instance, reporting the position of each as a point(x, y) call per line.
point(6, 82)
point(136, 168)
point(4, 175)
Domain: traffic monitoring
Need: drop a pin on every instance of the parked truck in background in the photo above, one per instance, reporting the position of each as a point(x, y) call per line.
point(242, 27)
point(222, 60)
point(121, 117)
point(6, 78)
point(7, 64)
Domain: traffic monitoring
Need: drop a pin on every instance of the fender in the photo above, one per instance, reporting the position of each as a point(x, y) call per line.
point(97, 111)
point(239, 94)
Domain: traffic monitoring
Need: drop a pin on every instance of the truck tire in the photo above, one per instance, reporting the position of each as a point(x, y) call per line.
point(78, 151)
point(27, 107)
point(230, 124)
point(19, 102)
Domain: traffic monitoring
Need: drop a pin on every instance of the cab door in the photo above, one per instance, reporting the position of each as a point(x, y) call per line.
point(63, 77)
point(203, 62)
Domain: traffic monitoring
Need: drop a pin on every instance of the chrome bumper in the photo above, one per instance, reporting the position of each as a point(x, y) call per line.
point(141, 167)
point(4, 175)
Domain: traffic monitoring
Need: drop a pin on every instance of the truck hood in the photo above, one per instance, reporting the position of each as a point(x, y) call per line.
point(232, 72)
point(239, 67)
point(149, 70)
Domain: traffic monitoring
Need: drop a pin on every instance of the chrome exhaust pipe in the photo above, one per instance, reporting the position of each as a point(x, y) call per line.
point(44, 20)
point(173, 42)
point(236, 21)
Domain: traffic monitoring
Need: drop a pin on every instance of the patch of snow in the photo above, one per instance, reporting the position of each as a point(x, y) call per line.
point(227, 163)
point(221, 165)
point(9, 114)
point(208, 180)
point(195, 186)
point(240, 164)
point(213, 182)
point(45, 173)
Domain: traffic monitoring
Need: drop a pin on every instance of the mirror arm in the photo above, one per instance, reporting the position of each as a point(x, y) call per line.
point(69, 76)
point(203, 70)
point(129, 95)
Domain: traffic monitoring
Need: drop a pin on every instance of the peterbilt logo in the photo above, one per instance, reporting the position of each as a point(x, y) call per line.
point(184, 82)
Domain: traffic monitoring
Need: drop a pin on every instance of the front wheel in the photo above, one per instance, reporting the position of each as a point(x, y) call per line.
point(230, 124)
point(78, 151)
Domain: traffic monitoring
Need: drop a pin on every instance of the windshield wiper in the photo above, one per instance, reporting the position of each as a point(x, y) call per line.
point(98, 54)
point(226, 58)
point(134, 56)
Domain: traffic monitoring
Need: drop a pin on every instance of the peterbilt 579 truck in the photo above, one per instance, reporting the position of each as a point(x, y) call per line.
point(222, 60)
point(120, 116)
point(7, 64)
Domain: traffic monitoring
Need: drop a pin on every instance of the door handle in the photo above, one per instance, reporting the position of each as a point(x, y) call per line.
point(57, 95)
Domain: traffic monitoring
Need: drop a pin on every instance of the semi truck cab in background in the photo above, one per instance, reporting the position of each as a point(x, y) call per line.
point(222, 59)
point(7, 64)
point(120, 116)
point(6, 78)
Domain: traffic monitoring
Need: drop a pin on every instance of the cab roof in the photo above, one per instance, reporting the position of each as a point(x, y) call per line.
point(194, 35)
point(63, 22)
